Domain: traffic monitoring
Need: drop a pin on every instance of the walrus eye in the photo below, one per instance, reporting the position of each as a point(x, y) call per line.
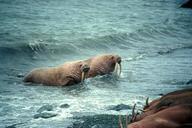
point(112, 57)
point(85, 68)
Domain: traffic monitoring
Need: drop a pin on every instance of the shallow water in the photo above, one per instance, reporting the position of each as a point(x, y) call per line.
point(154, 38)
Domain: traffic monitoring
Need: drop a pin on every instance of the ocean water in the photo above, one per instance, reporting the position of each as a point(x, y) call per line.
point(153, 37)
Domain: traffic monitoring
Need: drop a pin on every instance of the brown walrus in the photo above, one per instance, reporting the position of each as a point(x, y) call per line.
point(168, 100)
point(75, 72)
point(179, 116)
point(171, 95)
point(66, 74)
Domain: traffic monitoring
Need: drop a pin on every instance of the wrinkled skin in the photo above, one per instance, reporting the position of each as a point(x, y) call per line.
point(179, 116)
point(168, 100)
point(103, 64)
point(67, 74)
point(176, 94)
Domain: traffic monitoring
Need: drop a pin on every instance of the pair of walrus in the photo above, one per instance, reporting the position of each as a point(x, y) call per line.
point(75, 72)
point(173, 110)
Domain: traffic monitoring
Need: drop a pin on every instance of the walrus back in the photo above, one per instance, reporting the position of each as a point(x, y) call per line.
point(37, 76)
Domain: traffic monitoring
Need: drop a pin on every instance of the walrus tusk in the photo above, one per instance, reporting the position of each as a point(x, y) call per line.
point(147, 102)
point(142, 110)
point(82, 76)
point(117, 69)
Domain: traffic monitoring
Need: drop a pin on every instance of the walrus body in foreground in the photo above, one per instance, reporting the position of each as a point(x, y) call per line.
point(173, 110)
point(75, 72)
point(179, 116)
point(168, 100)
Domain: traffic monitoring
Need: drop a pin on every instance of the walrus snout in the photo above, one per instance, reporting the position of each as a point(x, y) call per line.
point(85, 68)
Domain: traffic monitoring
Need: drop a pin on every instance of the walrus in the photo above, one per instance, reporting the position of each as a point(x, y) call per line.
point(168, 100)
point(75, 72)
point(67, 74)
point(179, 116)
point(104, 64)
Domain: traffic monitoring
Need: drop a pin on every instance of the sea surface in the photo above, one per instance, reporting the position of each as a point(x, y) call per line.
point(153, 37)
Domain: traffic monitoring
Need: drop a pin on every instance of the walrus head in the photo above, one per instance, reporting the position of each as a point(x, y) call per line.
point(103, 64)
